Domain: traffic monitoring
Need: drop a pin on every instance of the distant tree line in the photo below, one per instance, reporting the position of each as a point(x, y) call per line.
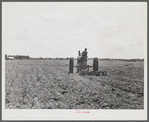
point(22, 57)
point(133, 60)
point(16, 57)
point(51, 58)
point(67, 58)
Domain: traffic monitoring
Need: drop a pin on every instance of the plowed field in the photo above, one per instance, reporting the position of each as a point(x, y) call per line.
point(46, 84)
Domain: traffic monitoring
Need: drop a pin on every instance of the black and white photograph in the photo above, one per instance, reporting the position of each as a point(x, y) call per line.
point(83, 60)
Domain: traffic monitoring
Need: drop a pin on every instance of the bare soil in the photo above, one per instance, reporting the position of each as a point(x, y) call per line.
point(52, 87)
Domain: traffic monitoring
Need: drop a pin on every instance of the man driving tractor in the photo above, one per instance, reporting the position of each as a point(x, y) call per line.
point(84, 56)
point(84, 53)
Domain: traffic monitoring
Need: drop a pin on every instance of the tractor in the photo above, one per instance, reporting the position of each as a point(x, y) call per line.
point(83, 67)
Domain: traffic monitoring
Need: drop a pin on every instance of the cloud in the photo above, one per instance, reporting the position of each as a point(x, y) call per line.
point(27, 33)
point(44, 26)
point(70, 29)
point(58, 16)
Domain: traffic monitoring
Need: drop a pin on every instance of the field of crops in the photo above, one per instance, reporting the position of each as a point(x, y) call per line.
point(46, 84)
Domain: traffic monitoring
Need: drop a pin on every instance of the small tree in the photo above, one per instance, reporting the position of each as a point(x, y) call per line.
point(5, 56)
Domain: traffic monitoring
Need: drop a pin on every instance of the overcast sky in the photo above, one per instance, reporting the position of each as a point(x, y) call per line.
point(60, 29)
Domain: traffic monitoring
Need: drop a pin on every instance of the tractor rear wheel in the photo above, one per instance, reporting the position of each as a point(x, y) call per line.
point(71, 65)
point(95, 65)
